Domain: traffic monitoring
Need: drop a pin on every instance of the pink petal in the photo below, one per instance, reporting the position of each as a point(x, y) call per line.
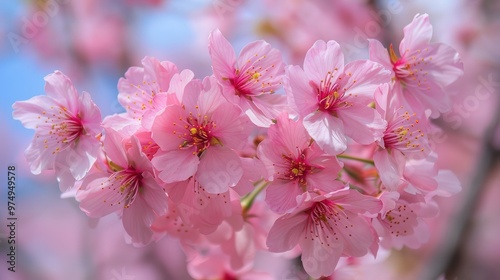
point(219, 169)
point(445, 67)
point(322, 58)
point(137, 220)
point(61, 89)
point(287, 232)
point(232, 126)
point(176, 165)
point(100, 198)
point(319, 260)
point(281, 196)
point(356, 202)
point(357, 234)
point(31, 112)
point(417, 34)
point(222, 55)
point(165, 127)
point(379, 54)
point(362, 123)
point(327, 131)
point(153, 194)
point(324, 177)
point(288, 135)
point(113, 146)
point(301, 95)
point(363, 77)
point(390, 167)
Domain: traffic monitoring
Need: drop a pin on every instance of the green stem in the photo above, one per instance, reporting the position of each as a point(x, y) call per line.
point(369, 161)
point(247, 200)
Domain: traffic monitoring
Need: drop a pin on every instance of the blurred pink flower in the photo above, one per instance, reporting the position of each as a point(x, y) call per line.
point(423, 71)
point(333, 99)
point(66, 125)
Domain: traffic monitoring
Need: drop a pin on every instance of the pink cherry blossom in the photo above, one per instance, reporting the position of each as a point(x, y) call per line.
point(66, 127)
point(404, 138)
point(198, 137)
point(296, 164)
point(400, 224)
point(326, 227)
point(333, 100)
point(424, 70)
point(251, 80)
point(127, 186)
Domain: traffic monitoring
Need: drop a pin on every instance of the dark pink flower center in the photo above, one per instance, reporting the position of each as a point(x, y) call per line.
point(199, 134)
point(64, 128)
point(252, 79)
point(126, 182)
point(403, 133)
point(330, 96)
point(296, 168)
point(408, 69)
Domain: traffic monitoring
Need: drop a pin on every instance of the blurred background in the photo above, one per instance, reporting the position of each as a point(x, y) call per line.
point(95, 41)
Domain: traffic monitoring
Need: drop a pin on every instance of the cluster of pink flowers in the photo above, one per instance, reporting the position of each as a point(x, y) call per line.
point(327, 160)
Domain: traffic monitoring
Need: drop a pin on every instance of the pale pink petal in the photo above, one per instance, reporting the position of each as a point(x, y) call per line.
point(417, 34)
point(113, 147)
point(287, 232)
point(448, 184)
point(219, 169)
point(421, 174)
point(31, 112)
point(222, 55)
point(319, 260)
point(288, 135)
point(179, 83)
point(175, 165)
point(362, 123)
point(281, 196)
point(137, 220)
point(165, 127)
point(153, 194)
point(301, 95)
point(100, 198)
point(81, 157)
point(232, 126)
point(390, 167)
point(356, 202)
point(253, 170)
point(357, 234)
point(265, 108)
point(323, 58)
point(379, 54)
point(327, 131)
point(89, 114)
point(61, 89)
point(443, 63)
point(362, 77)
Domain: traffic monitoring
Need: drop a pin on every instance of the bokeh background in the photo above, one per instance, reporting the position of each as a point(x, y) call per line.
point(95, 41)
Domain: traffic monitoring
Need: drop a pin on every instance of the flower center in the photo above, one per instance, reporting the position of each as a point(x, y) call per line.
point(63, 129)
point(126, 182)
point(199, 135)
point(403, 133)
point(330, 95)
point(297, 168)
